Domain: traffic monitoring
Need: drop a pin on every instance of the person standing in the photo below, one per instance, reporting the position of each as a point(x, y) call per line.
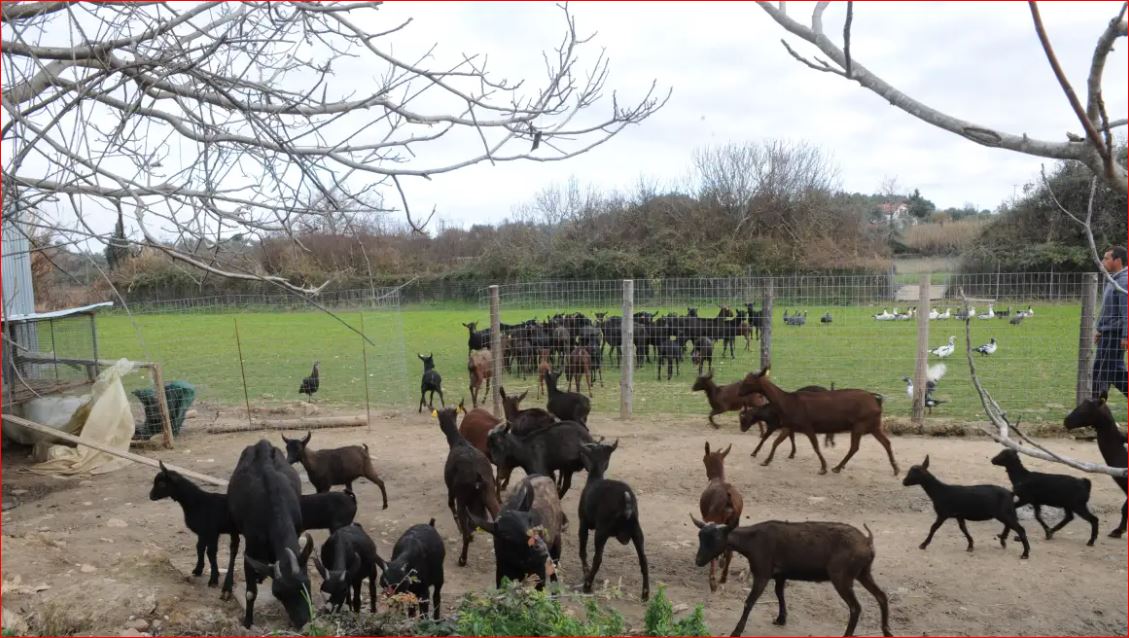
point(1112, 328)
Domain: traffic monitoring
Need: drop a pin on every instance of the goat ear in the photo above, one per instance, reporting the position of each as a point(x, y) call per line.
point(697, 523)
point(767, 370)
point(461, 408)
point(707, 447)
point(164, 470)
point(420, 356)
point(292, 558)
point(925, 463)
point(306, 439)
point(484, 525)
point(380, 563)
point(259, 567)
point(726, 452)
point(521, 397)
point(615, 445)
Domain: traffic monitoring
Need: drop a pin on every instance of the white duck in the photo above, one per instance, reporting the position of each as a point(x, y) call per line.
point(945, 350)
point(884, 316)
point(948, 314)
point(988, 348)
point(934, 314)
point(988, 315)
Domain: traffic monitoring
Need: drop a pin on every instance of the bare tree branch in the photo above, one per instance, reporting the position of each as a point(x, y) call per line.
point(1002, 428)
point(1086, 150)
point(1085, 224)
point(215, 119)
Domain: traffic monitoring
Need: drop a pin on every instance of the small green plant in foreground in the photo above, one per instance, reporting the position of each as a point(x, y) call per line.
point(659, 619)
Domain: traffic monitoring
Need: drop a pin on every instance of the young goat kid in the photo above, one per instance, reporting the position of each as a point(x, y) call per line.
point(416, 567)
point(205, 513)
point(337, 466)
point(611, 509)
point(1053, 490)
point(967, 502)
point(811, 551)
point(722, 399)
point(1111, 441)
point(348, 557)
point(430, 382)
point(567, 406)
point(720, 503)
point(480, 367)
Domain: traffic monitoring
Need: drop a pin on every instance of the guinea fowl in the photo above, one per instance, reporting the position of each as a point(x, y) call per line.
point(310, 384)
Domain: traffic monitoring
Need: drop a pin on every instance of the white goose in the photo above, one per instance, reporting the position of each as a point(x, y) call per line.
point(948, 314)
point(884, 316)
point(945, 350)
point(988, 315)
point(934, 314)
point(988, 348)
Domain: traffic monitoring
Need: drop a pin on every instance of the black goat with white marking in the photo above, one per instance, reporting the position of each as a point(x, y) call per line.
point(1053, 490)
point(967, 502)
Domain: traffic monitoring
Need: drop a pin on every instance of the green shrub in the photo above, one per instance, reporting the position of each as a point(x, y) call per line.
point(659, 619)
point(521, 611)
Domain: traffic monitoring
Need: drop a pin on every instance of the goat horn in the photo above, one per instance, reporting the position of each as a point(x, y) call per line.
point(726, 452)
point(293, 564)
point(697, 523)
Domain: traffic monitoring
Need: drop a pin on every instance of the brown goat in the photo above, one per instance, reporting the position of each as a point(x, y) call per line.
point(726, 398)
point(476, 426)
point(480, 365)
point(336, 466)
point(578, 365)
point(856, 411)
point(810, 551)
point(720, 503)
point(543, 367)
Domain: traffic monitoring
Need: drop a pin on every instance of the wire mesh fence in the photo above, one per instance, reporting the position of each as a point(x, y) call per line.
point(850, 331)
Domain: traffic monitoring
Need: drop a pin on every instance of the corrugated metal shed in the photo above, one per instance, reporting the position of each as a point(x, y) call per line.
point(19, 293)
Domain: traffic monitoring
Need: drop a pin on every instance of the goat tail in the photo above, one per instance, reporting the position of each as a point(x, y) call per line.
point(878, 397)
point(431, 522)
point(629, 509)
point(869, 535)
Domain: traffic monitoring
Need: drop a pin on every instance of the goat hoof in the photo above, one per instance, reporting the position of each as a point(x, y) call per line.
point(198, 572)
point(1090, 544)
point(385, 506)
point(922, 546)
point(1116, 533)
point(778, 621)
point(837, 469)
point(765, 463)
point(213, 583)
point(1023, 557)
point(823, 470)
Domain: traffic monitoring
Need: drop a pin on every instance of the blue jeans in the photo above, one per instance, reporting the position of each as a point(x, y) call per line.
point(1109, 366)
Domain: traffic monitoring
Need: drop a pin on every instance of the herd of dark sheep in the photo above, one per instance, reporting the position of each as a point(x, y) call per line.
point(265, 507)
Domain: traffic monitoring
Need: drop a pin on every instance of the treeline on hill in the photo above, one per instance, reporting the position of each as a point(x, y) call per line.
point(1032, 234)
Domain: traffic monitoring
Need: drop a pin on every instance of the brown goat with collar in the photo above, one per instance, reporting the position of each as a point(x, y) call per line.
point(720, 503)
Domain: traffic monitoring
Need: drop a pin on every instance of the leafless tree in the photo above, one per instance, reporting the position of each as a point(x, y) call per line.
point(735, 175)
point(1094, 148)
point(206, 120)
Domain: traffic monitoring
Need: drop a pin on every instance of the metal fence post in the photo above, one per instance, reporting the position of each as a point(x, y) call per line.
point(627, 356)
point(1086, 338)
point(496, 350)
point(766, 325)
point(919, 380)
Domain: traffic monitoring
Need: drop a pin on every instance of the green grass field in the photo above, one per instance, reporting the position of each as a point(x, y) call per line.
point(1032, 374)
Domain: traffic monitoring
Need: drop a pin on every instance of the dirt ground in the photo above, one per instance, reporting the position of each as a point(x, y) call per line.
point(95, 555)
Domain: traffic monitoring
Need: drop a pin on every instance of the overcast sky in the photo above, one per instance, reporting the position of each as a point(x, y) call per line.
point(732, 80)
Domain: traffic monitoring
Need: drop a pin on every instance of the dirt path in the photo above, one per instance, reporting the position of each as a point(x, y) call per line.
point(109, 557)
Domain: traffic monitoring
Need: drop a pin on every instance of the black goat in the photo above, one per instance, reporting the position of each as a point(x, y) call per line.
point(1053, 490)
point(430, 382)
point(477, 339)
point(336, 466)
point(416, 567)
point(611, 509)
point(527, 532)
point(810, 551)
point(967, 502)
point(262, 499)
point(1111, 441)
point(566, 406)
point(205, 513)
point(545, 451)
point(348, 557)
point(469, 478)
point(327, 510)
point(669, 351)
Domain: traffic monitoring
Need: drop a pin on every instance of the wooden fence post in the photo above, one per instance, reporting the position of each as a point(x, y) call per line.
point(496, 350)
point(922, 360)
point(766, 325)
point(627, 350)
point(1086, 338)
